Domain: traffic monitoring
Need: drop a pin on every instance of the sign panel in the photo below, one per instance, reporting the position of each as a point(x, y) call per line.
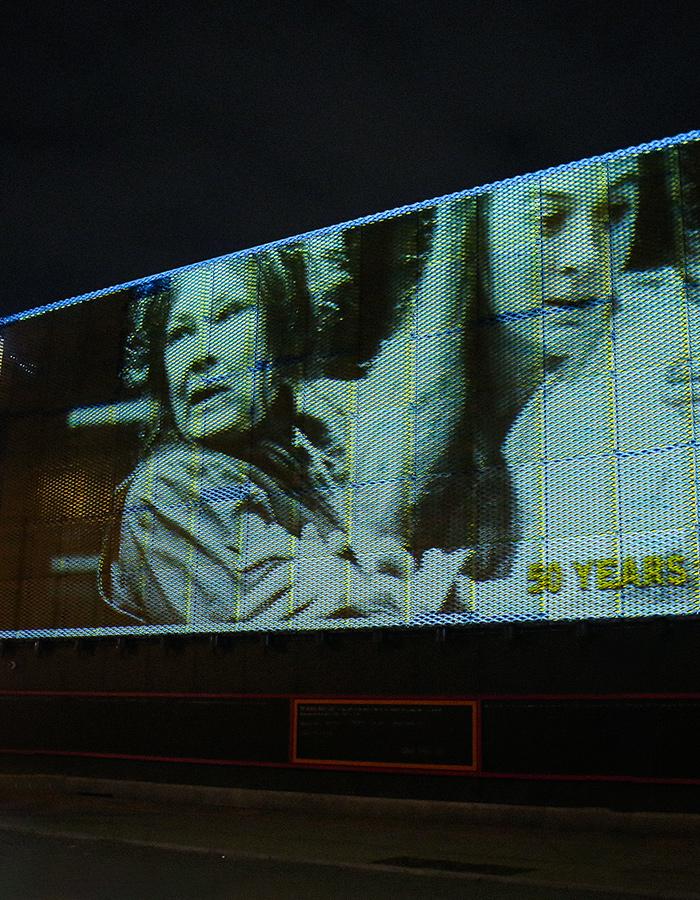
point(435, 734)
point(477, 409)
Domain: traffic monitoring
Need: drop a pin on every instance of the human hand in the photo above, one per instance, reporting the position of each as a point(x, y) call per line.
point(330, 582)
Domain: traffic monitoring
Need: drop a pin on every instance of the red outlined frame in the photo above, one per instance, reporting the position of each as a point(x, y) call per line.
point(473, 705)
point(453, 771)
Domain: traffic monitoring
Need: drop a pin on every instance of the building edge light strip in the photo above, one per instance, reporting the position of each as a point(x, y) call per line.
point(647, 147)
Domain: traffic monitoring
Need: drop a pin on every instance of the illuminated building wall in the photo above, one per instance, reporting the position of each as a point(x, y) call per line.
point(476, 409)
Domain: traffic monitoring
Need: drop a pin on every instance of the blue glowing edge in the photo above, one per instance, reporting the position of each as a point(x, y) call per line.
point(647, 147)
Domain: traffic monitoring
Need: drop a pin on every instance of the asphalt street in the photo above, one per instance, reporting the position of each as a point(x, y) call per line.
point(92, 839)
point(34, 867)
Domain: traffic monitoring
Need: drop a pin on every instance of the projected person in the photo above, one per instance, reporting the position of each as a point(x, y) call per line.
point(532, 378)
point(554, 248)
point(658, 335)
point(225, 519)
point(245, 510)
point(654, 374)
point(244, 506)
point(602, 458)
point(551, 250)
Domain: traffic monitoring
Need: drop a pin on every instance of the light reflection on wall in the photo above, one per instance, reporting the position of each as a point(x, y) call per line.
point(63, 494)
point(71, 492)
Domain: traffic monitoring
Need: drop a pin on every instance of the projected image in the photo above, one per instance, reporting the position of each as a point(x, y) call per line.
point(479, 410)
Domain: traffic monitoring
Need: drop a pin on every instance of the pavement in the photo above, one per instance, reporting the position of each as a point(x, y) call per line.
point(70, 838)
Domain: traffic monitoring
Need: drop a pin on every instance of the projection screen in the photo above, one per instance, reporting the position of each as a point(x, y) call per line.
point(481, 408)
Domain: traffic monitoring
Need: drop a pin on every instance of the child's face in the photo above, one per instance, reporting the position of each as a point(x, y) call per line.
point(555, 246)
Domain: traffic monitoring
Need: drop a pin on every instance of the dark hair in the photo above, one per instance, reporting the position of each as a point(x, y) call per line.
point(469, 500)
point(653, 240)
point(383, 260)
point(689, 165)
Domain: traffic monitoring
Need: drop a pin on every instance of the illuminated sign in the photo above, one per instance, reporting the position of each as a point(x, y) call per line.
point(476, 409)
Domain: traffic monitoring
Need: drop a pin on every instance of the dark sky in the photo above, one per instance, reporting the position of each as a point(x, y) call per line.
point(138, 137)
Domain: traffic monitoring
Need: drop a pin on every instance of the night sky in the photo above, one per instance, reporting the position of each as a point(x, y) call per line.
point(137, 137)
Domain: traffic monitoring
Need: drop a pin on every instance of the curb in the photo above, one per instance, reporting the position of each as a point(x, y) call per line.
point(334, 805)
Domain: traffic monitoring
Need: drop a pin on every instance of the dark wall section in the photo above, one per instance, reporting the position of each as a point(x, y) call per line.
point(523, 739)
point(172, 727)
point(626, 737)
point(640, 657)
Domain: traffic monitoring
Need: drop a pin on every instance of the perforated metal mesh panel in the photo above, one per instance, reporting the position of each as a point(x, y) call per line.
point(476, 409)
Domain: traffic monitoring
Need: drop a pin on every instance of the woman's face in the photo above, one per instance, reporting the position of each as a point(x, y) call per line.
point(211, 342)
point(555, 247)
